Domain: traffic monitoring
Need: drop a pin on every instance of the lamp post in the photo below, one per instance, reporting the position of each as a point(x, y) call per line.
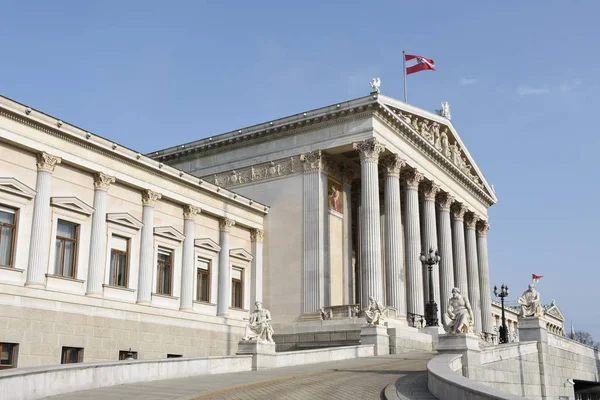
point(503, 330)
point(431, 308)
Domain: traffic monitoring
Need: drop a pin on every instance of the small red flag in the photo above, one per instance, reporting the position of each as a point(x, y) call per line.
point(534, 276)
point(421, 65)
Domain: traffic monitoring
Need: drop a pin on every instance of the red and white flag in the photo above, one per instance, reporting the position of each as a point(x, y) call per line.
point(535, 278)
point(422, 64)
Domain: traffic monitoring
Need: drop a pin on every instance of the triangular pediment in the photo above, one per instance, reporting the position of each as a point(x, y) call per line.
point(72, 204)
point(124, 219)
point(240, 254)
point(555, 312)
point(169, 232)
point(207, 244)
point(15, 186)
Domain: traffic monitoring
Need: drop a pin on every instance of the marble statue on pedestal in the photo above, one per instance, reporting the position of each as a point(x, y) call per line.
point(259, 327)
point(374, 312)
point(444, 111)
point(375, 84)
point(531, 305)
point(459, 316)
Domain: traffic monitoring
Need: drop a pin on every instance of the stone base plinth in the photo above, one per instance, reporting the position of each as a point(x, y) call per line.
point(532, 329)
point(377, 335)
point(434, 331)
point(246, 347)
point(457, 343)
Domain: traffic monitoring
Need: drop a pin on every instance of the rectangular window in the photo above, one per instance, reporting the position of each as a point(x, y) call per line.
point(164, 271)
point(202, 279)
point(174, 356)
point(8, 355)
point(71, 355)
point(127, 354)
point(237, 288)
point(8, 219)
point(119, 260)
point(66, 248)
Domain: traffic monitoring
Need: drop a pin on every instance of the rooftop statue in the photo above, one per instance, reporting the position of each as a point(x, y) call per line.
point(445, 111)
point(531, 305)
point(375, 84)
point(459, 316)
point(374, 312)
point(259, 327)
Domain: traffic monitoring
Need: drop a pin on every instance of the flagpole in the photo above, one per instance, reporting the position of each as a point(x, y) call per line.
point(404, 72)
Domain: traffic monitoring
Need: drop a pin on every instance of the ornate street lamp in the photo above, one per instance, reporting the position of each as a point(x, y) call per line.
point(503, 330)
point(431, 308)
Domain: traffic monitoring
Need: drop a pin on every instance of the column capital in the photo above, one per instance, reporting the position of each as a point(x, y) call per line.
point(149, 198)
point(256, 235)
point(225, 224)
point(313, 161)
point(482, 228)
point(392, 164)
point(412, 179)
point(459, 210)
point(430, 190)
point(369, 149)
point(103, 181)
point(190, 211)
point(471, 219)
point(47, 162)
point(445, 201)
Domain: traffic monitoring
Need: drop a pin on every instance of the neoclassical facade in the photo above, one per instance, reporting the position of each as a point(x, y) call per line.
point(357, 191)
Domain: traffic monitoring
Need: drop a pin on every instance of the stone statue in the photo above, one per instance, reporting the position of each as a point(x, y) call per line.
point(445, 111)
point(325, 314)
point(445, 144)
point(374, 312)
point(459, 316)
point(375, 84)
point(258, 327)
point(531, 305)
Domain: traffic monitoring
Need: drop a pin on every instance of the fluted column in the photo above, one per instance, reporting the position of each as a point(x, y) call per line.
point(394, 258)
point(256, 290)
point(348, 176)
point(473, 269)
point(445, 246)
point(188, 263)
point(430, 191)
point(224, 288)
point(484, 277)
point(412, 239)
point(97, 259)
point(144, 290)
point(458, 249)
point(372, 279)
point(39, 244)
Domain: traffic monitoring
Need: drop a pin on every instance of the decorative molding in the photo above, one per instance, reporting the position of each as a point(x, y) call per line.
point(445, 201)
point(149, 198)
point(103, 181)
point(47, 162)
point(257, 235)
point(369, 149)
point(124, 219)
point(482, 228)
point(240, 254)
point(471, 220)
point(190, 211)
point(412, 178)
point(430, 190)
point(169, 232)
point(225, 224)
point(459, 210)
point(15, 186)
point(72, 204)
point(313, 161)
point(391, 165)
point(207, 244)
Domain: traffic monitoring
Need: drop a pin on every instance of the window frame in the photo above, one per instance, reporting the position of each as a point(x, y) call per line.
point(171, 272)
point(203, 272)
point(123, 354)
point(59, 269)
point(15, 232)
point(112, 274)
point(13, 355)
point(66, 351)
point(241, 284)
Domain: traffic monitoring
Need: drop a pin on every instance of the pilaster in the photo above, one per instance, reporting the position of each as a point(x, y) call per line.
point(224, 280)
point(256, 239)
point(144, 290)
point(188, 263)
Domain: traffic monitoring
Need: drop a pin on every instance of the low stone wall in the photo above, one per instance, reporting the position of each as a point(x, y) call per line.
point(292, 358)
point(39, 382)
point(407, 339)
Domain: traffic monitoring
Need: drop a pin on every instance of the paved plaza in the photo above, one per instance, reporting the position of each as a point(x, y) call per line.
point(362, 378)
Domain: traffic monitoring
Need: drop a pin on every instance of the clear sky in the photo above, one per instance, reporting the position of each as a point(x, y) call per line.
point(521, 78)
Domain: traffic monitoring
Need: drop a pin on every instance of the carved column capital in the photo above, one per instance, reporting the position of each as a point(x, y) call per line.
point(256, 235)
point(149, 198)
point(225, 224)
point(430, 190)
point(103, 181)
point(459, 210)
point(47, 162)
point(369, 149)
point(482, 228)
point(313, 161)
point(471, 220)
point(190, 211)
point(445, 201)
point(412, 179)
point(392, 164)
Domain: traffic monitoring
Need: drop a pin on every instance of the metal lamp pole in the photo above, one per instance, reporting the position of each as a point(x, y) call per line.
point(502, 294)
point(431, 308)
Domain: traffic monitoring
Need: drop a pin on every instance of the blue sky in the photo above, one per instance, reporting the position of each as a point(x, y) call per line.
point(521, 79)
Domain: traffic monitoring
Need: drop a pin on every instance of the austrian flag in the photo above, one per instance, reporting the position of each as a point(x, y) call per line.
point(535, 278)
point(421, 65)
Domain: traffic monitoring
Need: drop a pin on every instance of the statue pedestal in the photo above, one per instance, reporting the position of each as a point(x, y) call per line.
point(532, 329)
point(467, 345)
point(246, 347)
point(434, 331)
point(377, 335)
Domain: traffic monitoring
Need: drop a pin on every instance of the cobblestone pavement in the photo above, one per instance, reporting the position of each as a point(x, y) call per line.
point(362, 378)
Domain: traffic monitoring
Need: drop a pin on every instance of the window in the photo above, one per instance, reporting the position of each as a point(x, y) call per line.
point(125, 354)
point(202, 279)
point(119, 260)
point(66, 248)
point(164, 270)
point(174, 356)
point(71, 355)
point(7, 235)
point(8, 355)
point(237, 288)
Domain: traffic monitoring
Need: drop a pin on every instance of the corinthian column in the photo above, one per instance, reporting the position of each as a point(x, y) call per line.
point(394, 265)
point(256, 291)
point(446, 256)
point(372, 280)
point(97, 260)
point(458, 248)
point(39, 244)
point(430, 190)
point(348, 175)
point(484, 278)
point(224, 289)
point(473, 269)
point(188, 264)
point(144, 291)
point(412, 240)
